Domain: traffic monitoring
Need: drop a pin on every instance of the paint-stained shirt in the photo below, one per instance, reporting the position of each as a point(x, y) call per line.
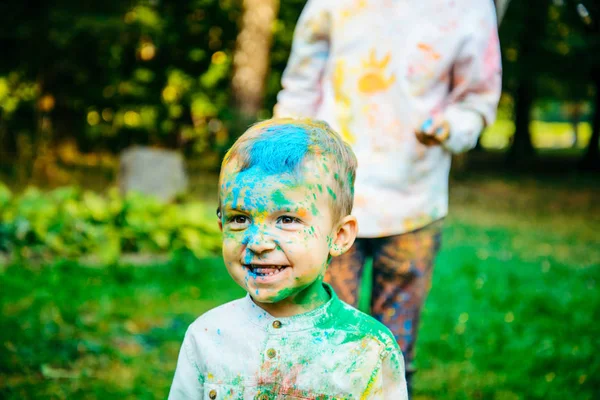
point(238, 351)
point(375, 70)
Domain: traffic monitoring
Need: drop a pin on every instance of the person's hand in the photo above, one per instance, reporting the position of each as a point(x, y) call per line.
point(433, 132)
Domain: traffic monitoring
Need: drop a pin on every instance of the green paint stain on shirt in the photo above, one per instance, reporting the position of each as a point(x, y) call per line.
point(363, 347)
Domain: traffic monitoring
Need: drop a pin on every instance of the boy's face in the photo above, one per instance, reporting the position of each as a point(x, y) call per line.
point(277, 230)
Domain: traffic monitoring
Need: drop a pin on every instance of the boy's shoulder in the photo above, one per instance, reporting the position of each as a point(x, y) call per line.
point(357, 323)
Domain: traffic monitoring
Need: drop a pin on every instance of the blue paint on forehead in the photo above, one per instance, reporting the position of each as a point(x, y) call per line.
point(279, 149)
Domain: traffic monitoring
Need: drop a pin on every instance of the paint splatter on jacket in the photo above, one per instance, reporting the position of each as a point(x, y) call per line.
point(376, 70)
point(240, 352)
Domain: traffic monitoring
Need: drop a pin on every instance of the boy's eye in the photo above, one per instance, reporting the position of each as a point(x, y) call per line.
point(238, 220)
point(286, 219)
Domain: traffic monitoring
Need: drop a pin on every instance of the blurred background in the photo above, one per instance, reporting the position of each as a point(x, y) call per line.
point(113, 118)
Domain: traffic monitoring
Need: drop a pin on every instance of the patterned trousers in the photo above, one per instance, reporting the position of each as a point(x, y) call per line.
point(402, 269)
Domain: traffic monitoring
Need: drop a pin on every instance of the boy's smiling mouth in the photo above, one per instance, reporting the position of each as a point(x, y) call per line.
point(265, 270)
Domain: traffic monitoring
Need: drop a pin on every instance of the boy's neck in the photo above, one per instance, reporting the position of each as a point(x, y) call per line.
point(310, 298)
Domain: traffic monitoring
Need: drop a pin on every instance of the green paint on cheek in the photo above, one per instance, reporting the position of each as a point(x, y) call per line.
point(314, 210)
point(320, 187)
point(331, 193)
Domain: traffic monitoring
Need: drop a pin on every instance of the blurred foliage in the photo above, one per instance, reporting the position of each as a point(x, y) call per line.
point(157, 72)
point(549, 56)
point(70, 223)
point(546, 43)
point(116, 73)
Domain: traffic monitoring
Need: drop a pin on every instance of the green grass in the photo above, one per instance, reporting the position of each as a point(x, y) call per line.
point(513, 312)
point(75, 332)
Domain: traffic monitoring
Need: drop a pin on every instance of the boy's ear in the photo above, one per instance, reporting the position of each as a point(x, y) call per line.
point(344, 236)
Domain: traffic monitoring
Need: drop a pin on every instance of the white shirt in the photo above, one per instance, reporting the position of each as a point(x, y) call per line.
point(375, 70)
point(239, 351)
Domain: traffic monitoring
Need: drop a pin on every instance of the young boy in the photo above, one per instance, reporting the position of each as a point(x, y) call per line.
point(285, 197)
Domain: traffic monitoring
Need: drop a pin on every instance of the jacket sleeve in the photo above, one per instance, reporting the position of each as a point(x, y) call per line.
point(302, 78)
point(477, 80)
point(394, 376)
point(186, 382)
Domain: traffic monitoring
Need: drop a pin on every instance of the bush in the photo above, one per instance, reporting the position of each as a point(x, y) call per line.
point(71, 223)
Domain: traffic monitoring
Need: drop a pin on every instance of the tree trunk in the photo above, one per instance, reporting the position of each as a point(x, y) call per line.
point(522, 148)
point(251, 57)
point(591, 159)
point(43, 163)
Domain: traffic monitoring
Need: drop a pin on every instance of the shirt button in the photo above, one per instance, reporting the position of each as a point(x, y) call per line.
point(276, 324)
point(271, 353)
point(212, 394)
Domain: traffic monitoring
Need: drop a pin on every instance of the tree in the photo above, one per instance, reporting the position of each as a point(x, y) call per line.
point(251, 57)
point(547, 56)
point(110, 74)
point(522, 32)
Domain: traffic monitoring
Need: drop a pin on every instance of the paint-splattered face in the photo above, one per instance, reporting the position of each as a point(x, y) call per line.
point(277, 230)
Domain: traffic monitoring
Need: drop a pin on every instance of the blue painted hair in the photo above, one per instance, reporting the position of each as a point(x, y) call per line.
point(279, 149)
point(280, 146)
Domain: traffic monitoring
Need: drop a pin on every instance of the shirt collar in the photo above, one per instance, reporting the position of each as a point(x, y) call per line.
point(311, 319)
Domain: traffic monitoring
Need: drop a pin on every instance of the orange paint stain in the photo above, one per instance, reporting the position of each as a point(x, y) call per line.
point(428, 49)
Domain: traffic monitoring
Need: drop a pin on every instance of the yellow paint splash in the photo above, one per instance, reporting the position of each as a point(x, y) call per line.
point(371, 386)
point(355, 8)
point(374, 79)
point(344, 114)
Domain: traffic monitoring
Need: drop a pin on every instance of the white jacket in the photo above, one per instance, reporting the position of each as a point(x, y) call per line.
point(375, 70)
point(240, 352)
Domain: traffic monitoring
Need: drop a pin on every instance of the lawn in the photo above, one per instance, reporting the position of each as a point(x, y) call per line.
point(513, 313)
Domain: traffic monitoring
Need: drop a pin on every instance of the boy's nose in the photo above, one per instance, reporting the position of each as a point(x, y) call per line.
point(260, 243)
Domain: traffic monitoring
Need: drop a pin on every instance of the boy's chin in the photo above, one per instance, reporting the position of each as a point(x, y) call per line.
point(270, 298)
